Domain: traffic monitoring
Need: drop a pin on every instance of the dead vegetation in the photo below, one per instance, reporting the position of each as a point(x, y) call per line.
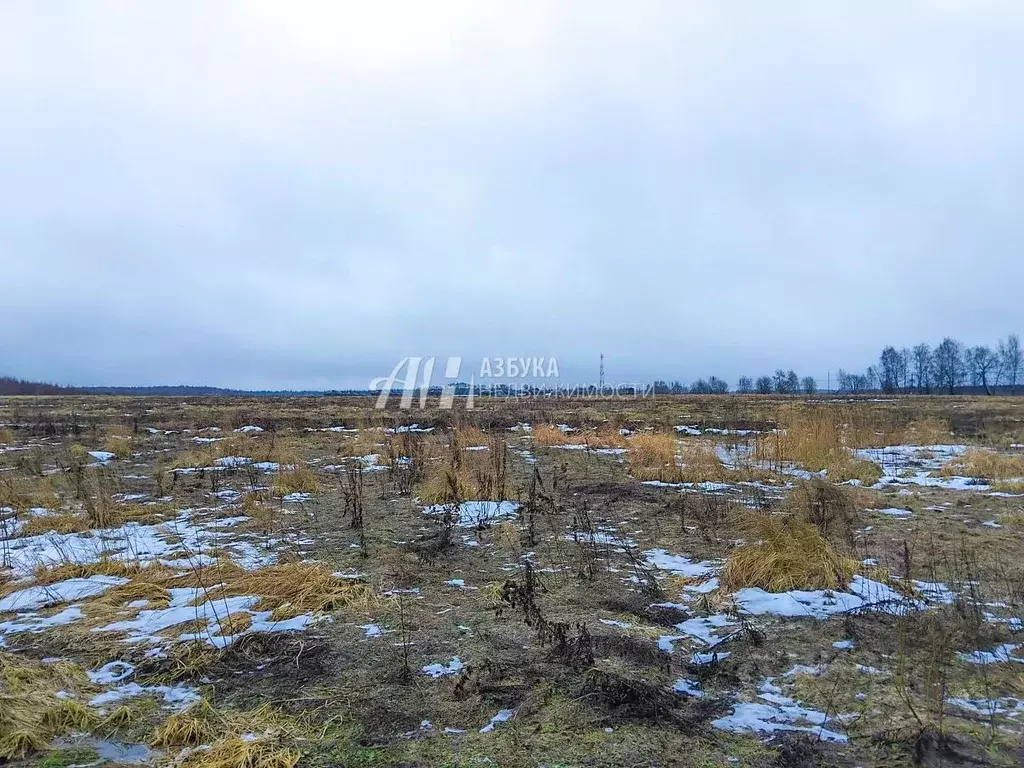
point(557, 613)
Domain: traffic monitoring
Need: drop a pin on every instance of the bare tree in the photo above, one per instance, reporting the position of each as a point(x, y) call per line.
point(745, 386)
point(764, 385)
point(1010, 360)
point(810, 386)
point(889, 363)
point(922, 367)
point(903, 369)
point(983, 364)
point(948, 364)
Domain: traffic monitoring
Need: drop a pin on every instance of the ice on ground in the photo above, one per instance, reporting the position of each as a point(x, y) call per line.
point(113, 672)
point(600, 537)
point(590, 449)
point(1001, 654)
point(990, 707)
point(477, 513)
point(249, 428)
point(677, 564)
point(103, 456)
point(700, 659)
point(780, 714)
point(35, 624)
point(408, 428)
point(453, 667)
point(133, 542)
point(176, 697)
point(895, 512)
point(703, 628)
point(935, 592)
point(69, 590)
point(502, 716)
point(189, 605)
point(298, 497)
point(687, 688)
point(843, 645)
point(863, 595)
point(914, 465)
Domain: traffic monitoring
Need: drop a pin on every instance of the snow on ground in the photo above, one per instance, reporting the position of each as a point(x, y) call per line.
point(189, 605)
point(453, 667)
point(677, 564)
point(69, 590)
point(475, 513)
point(133, 542)
point(863, 595)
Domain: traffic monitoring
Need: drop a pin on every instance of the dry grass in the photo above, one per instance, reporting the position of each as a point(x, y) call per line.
point(465, 475)
point(987, 465)
point(653, 457)
point(786, 553)
point(293, 587)
point(37, 525)
point(30, 712)
point(926, 432)
point(700, 464)
point(119, 445)
point(820, 439)
point(299, 479)
point(197, 724)
point(50, 575)
point(256, 739)
point(546, 434)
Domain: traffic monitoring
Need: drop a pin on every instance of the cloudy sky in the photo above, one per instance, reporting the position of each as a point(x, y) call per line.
point(298, 195)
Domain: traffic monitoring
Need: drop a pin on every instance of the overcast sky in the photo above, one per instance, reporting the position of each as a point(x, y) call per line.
point(298, 195)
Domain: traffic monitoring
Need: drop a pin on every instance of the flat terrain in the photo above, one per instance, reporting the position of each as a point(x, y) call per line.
point(716, 581)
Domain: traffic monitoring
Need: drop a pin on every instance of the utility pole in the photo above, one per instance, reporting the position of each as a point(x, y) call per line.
point(600, 376)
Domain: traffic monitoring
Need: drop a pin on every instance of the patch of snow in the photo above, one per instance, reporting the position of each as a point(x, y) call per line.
point(69, 590)
point(453, 667)
point(477, 513)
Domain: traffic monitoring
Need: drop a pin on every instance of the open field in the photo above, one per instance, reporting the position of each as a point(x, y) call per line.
point(699, 581)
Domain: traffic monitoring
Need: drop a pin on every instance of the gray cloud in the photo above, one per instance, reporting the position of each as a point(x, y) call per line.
point(271, 195)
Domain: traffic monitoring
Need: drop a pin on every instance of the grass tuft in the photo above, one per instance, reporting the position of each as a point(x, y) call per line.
point(787, 553)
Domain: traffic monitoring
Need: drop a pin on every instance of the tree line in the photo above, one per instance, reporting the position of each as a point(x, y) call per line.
point(951, 365)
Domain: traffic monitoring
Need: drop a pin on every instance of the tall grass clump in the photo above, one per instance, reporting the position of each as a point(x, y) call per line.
point(801, 547)
point(819, 439)
point(31, 715)
point(653, 457)
point(786, 553)
point(986, 465)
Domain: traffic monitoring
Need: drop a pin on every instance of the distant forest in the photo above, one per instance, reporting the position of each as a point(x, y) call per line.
point(12, 386)
point(950, 367)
